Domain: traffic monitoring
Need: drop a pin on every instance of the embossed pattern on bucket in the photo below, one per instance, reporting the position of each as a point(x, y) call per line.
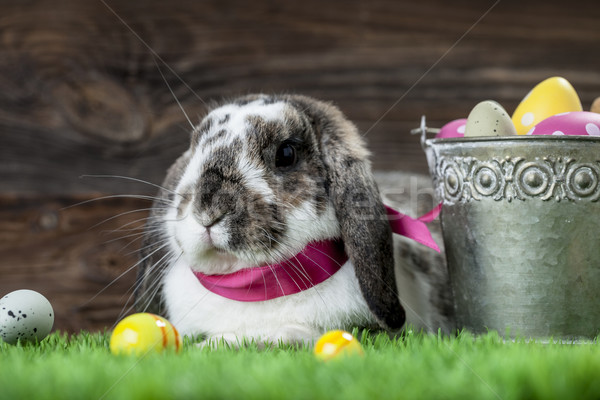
point(521, 225)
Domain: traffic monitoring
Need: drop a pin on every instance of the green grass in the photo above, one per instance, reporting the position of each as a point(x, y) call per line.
point(414, 366)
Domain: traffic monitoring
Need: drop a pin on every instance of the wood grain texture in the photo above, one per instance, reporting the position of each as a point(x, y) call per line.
point(81, 93)
point(81, 267)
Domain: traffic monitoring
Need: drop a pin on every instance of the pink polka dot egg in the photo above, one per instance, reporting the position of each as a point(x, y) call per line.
point(576, 123)
point(452, 129)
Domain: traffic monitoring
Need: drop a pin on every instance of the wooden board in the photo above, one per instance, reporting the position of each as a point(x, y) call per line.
point(78, 256)
point(81, 93)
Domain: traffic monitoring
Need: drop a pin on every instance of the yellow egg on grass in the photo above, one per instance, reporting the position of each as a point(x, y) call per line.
point(143, 333)
point(550, 97)
point(337, 344)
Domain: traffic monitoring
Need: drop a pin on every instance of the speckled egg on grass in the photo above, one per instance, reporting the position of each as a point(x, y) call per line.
point(26, 316)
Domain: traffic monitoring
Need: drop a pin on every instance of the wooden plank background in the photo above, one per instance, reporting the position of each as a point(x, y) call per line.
point(80, 93)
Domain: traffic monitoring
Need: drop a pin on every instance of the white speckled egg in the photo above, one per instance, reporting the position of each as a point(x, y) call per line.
point(489, 118)
point(25, 315)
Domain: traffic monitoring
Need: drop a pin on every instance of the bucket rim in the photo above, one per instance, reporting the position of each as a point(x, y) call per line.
point(426, 142)
point(538, 138)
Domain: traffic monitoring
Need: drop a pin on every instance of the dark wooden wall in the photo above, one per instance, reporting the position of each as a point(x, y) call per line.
point(80, 93)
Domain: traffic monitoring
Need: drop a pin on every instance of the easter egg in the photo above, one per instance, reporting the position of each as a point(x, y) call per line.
point(573, 123)
point(452, 129)
point(337, 344)
point(489, 118)
point(142, 333)
point(25, 315)
point(595, 108)
point(550, 97)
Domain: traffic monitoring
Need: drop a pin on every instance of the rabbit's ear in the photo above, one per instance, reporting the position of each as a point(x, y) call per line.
point(361, 214)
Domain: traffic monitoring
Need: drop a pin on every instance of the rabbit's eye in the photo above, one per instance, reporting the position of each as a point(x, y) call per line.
point(285, 156)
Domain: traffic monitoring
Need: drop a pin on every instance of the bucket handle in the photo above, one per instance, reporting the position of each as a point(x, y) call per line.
point(424, 130)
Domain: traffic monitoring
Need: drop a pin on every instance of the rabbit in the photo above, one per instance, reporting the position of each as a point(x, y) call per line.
point(265, 177)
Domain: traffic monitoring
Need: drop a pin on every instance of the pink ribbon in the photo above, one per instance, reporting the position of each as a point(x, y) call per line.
point(314, 264)
point(412, 228)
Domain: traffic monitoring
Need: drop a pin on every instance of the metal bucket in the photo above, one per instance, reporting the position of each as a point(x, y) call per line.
point(521, 227)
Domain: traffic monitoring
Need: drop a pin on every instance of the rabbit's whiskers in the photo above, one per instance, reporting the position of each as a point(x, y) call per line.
point(136, 233)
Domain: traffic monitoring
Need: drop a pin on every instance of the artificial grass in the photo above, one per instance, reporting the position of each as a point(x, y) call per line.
point(414, 366)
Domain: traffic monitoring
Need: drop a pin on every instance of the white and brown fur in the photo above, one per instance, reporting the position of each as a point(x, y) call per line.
point(226, 206)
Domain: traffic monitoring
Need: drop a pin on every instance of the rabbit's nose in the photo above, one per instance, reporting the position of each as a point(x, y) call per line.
point(208, 220)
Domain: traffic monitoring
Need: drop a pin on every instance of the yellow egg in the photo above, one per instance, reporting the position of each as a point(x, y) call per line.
point(142, 333)
point(335, 344)
point(550, 97)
